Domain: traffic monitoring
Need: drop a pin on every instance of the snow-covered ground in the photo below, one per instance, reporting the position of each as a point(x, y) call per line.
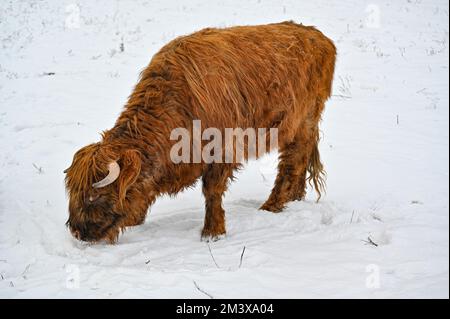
point(66, 69)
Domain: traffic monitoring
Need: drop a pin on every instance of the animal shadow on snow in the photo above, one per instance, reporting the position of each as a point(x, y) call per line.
point(243, 218)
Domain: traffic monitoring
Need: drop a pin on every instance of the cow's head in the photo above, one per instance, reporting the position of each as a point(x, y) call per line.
point(104, 185)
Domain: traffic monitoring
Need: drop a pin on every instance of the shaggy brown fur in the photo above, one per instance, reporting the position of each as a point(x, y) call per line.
point(277, 75)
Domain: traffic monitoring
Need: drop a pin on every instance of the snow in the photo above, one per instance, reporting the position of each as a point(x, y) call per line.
point(385, 146)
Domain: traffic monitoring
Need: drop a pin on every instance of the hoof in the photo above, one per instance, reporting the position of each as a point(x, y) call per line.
point(270, 207)
point(212, 238)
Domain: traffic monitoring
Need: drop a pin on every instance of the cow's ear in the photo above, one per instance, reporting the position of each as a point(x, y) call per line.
point(130, 170)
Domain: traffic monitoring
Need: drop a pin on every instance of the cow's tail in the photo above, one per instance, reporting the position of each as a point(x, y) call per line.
point(316, 172)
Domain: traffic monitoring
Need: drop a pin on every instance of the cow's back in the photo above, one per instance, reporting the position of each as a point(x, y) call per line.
point(249, 76)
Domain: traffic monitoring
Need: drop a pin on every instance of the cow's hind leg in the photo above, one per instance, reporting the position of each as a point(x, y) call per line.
point(296, 159)
point(313, 173)
point(215, 180)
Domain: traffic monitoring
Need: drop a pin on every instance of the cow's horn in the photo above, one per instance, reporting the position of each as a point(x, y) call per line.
point(114, 171)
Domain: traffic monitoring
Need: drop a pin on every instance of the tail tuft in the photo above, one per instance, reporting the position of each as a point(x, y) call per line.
point(316, 172)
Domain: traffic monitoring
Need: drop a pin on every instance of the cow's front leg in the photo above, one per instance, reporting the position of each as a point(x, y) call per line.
point(215, 180)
